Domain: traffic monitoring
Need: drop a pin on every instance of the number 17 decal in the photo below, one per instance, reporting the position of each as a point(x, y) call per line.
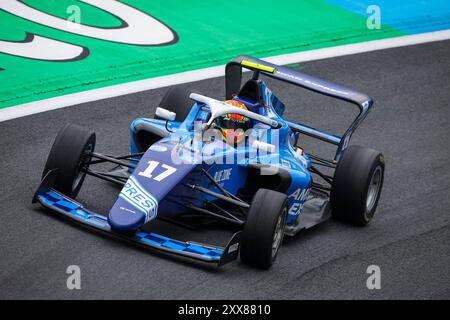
point(152, 166)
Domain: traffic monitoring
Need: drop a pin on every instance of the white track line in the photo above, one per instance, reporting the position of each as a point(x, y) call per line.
point(207, 73)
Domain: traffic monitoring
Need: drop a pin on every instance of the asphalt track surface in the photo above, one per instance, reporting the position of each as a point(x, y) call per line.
point(409, 238)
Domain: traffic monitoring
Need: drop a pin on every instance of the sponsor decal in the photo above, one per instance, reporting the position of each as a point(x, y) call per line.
point(138, 197)
point(313, 83)
point(299, 197)
point(223, 175)
point(158, 148)
point(127, 210)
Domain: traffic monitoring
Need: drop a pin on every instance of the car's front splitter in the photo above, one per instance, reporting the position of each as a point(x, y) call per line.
point(64, 205)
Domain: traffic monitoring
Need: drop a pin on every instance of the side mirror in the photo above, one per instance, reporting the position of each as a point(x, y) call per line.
point(165, 114)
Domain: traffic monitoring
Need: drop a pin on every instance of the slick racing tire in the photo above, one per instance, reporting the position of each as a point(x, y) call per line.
point(264, 229)
point(67, 155)
point(357, 185)
point(177, 100)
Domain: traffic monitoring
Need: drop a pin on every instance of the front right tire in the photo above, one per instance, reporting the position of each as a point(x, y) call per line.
point(67, 155)
point(264, 228)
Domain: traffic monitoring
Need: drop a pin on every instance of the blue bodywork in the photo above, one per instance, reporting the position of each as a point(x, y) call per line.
point(168, 177)
point(172, 195)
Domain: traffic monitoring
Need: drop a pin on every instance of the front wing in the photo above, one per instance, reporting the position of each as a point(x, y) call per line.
point(60, 203)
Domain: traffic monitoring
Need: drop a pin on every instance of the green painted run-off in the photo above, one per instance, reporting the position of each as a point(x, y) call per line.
point(210, 33)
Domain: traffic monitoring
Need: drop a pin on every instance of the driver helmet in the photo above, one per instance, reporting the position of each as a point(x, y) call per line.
point(232, 125)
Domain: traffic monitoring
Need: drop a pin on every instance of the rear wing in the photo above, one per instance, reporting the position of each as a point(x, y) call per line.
point(233, 78)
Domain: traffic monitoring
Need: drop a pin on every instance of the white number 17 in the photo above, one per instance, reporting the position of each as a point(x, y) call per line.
point(152, 166)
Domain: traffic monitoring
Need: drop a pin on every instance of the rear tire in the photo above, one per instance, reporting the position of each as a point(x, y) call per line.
point(177, 100)
point(66, 155)
point(264, 229)
point(357, 185)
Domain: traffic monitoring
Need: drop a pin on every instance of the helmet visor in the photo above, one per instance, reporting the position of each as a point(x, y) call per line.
point(234, 121)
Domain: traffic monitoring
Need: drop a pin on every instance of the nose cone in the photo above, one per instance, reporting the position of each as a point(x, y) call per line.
point(134, 207)
point(125, 218)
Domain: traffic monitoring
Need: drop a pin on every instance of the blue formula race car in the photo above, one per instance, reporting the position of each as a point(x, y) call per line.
point(236, 161)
